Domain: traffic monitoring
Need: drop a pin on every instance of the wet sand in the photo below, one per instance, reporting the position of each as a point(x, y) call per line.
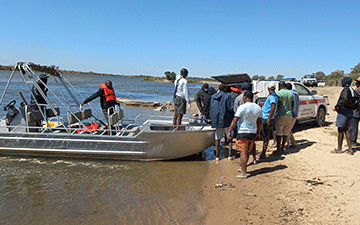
point(308, 185)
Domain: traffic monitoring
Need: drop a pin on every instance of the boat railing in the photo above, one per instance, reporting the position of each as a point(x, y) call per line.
point(165, 123)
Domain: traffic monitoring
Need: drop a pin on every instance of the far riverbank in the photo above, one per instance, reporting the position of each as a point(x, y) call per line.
point(192, 80)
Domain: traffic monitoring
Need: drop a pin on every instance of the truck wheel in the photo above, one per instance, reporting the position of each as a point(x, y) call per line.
point(320, 117)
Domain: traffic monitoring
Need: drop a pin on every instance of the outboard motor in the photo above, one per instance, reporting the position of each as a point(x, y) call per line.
point(12, 114)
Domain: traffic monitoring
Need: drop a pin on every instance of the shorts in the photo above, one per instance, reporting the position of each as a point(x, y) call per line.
point(179, 105)
point(283, 125)
point(219, 132)
point(266, 131)
point(244, 145)
point(344, 117)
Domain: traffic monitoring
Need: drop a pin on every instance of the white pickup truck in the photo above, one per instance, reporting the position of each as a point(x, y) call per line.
point(309, 80)
point(312, 107)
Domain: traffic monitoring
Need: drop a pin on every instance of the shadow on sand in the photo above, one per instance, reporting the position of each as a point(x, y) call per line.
point(266, 170)
point(307, 126)
point(301, 144)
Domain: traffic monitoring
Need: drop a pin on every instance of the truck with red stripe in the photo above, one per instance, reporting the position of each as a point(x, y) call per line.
point(312, 107)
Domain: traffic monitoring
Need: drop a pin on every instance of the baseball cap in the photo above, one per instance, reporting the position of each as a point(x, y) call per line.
point(245, 86)
point(43, 75)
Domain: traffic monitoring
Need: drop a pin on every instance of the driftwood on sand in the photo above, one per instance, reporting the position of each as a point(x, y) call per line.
point(156, 105)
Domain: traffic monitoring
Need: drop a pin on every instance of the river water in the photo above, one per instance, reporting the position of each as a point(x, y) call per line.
point(72, 191)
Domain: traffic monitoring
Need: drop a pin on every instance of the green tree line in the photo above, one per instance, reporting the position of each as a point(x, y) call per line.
point(332, 79)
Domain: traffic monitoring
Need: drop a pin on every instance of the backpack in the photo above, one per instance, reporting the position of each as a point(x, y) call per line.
point(354, 100)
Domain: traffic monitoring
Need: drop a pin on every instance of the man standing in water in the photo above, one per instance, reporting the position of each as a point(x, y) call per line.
point(248, 120)
point(107, 96)
point(181, 96)
point(221, 115)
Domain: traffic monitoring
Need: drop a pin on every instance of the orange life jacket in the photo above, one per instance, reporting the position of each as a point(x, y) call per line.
point(109, 94)
point(236, 89)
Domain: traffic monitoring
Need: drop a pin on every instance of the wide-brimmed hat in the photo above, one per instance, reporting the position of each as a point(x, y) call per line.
point(271, 85)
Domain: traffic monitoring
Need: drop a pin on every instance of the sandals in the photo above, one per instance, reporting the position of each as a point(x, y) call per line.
point(336, 151)
point(349, 152)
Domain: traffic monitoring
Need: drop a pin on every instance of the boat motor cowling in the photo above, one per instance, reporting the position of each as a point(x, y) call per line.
point(11, 112)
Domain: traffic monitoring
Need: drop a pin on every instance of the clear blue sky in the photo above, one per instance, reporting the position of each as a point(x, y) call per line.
point(208, 38)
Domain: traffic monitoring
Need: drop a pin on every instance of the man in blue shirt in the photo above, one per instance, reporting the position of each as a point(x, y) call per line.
point(294, 115)
point(268, 116)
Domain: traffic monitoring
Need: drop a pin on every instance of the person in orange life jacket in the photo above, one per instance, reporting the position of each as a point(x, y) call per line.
point(107, 96)
point(234, 92)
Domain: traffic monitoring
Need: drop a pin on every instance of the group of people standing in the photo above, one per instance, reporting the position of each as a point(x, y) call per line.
point(236, 112)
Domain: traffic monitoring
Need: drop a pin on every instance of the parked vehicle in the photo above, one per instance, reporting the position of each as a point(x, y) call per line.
point(312, 106)
point(309, 80)
point(321, 83)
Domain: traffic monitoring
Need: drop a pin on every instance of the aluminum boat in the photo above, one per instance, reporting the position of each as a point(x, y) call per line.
point(64, 128)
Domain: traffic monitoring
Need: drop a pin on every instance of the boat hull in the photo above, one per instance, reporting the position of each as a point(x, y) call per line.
point(148, 145)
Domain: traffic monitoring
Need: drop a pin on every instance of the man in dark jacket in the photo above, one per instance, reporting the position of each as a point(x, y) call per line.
point(344, 116)
point(36, 96)
point(221, 115)
point(207, 101)
point(107, 96)
point(200, 100)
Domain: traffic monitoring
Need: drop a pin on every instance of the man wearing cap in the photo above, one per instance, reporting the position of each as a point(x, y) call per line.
point(283, 117)
point(37, 98)
point(354, 124)
point(200, 101)
point(344, 116)
point(268, 116)
point(239, 99)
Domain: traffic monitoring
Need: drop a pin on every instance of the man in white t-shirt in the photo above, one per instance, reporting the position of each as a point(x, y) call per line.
point(181, 97)
point(248, 121)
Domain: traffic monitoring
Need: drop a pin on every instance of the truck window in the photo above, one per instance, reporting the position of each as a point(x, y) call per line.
point(301, 90)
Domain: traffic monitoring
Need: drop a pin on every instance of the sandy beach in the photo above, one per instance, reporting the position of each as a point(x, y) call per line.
point(308, 185)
